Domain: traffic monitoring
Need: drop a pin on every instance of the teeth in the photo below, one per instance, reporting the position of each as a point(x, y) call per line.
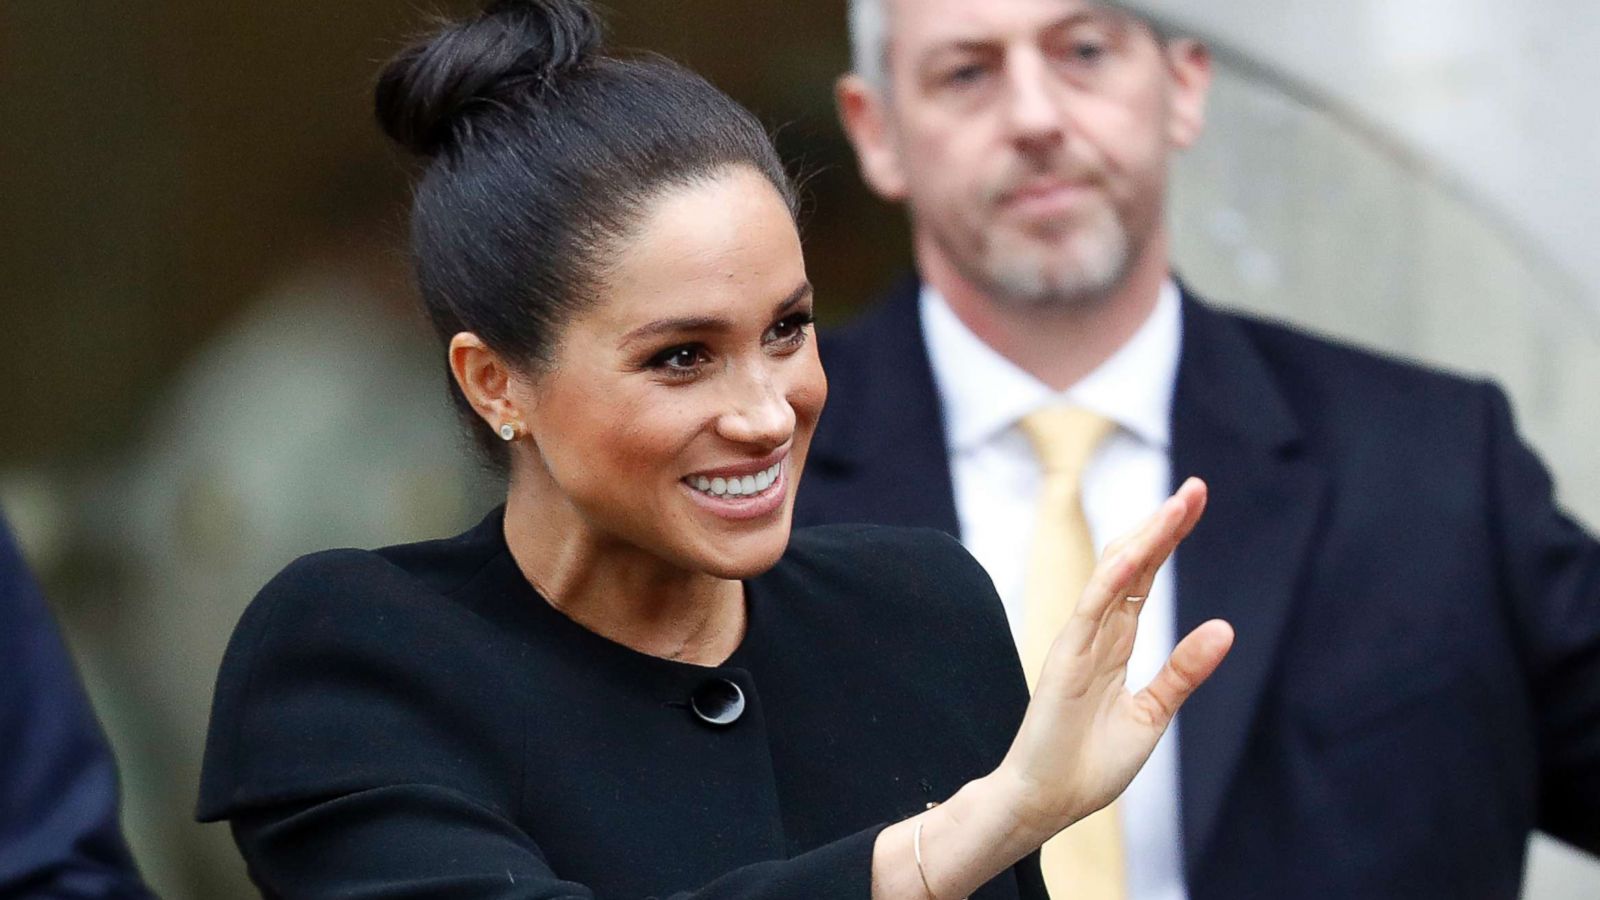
point(736, 487)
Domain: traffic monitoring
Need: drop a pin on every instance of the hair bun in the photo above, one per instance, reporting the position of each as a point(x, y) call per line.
point(423, 92)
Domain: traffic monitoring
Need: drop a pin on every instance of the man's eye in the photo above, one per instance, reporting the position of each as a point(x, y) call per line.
point(1088, 51)
point(966, 74)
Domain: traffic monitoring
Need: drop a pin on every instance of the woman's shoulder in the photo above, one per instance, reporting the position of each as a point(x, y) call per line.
point(345, 647)
point(872, 549)
point(913, 607)
point(893, 566)
point(354, 581)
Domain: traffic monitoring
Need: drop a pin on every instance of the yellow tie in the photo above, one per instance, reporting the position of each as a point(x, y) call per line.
point(1085, 861)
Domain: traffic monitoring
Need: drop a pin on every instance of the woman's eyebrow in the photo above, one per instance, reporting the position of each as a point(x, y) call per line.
point(677, 326)
point(711, 324)
point(800, 294)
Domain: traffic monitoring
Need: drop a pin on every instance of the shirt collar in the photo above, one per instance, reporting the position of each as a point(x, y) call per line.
point(984, 394)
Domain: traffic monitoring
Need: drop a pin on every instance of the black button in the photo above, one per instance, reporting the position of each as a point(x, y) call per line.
point(717, 702)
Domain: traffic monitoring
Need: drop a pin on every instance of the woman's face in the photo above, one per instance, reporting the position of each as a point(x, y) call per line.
point(679, 407)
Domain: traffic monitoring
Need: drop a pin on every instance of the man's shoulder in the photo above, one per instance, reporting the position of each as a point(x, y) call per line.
point(1310, 365)
point(1356, 409)
point(885, 324)
point(890, 323)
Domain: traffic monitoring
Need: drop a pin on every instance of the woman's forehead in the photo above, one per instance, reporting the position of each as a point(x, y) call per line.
point(712, 242)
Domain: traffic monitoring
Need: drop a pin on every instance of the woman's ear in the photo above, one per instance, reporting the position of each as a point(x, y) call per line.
point(486, 381)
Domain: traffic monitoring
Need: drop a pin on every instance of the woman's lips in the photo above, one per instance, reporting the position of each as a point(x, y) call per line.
point(747, 467)
point(746, 496)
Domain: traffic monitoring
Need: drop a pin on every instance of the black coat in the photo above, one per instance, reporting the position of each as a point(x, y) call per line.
point(418, 722)
point(1416, 680)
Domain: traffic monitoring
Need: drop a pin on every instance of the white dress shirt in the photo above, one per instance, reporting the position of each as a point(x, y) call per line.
point(997, 480)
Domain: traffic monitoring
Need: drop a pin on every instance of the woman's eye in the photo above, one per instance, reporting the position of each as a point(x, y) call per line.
point(790, 330)
point(679, 360)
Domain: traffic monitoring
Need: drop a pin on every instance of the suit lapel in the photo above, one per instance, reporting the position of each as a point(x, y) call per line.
point(879, 454)
point(1245, 560)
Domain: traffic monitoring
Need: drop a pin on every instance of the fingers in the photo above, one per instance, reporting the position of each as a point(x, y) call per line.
point(1196, 495)
point(1134, 559)
point(1191, 497)
point(1191, 663)
point(1130, 563)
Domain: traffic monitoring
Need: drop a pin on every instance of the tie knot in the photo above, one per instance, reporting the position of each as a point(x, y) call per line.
point(1065, 437)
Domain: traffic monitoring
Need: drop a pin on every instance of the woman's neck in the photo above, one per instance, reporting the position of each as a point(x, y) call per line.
point(619, 591)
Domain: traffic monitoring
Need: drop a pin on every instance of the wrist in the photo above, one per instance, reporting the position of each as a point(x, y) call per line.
point(1005, 809)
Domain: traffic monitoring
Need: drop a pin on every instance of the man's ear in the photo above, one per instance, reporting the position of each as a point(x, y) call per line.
point(485, 379)
point(864, 113)
point(1189, 73)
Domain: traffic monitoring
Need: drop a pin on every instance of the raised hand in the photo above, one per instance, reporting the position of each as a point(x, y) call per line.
point(1085, 734)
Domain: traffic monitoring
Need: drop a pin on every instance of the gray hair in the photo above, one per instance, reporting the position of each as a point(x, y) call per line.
point(869, 41)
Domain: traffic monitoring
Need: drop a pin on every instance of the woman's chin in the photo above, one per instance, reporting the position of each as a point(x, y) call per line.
point(746, 555)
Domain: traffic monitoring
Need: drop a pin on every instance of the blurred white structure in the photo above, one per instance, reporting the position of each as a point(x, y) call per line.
point(1497, 98)
point(1423, 177)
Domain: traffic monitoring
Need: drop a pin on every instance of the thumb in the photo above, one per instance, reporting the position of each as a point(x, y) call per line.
point(1191, 663)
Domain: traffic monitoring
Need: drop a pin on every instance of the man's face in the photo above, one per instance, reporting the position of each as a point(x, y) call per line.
point(1030, 139)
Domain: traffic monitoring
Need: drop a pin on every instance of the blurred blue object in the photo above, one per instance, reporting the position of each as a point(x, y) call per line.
point(59, 832)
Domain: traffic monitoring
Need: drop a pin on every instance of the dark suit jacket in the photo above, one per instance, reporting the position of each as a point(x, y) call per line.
point(418, 722)
point(59, 834)
point(1416, 680)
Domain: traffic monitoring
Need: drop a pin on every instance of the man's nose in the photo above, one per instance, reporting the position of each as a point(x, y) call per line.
point(1032, 104)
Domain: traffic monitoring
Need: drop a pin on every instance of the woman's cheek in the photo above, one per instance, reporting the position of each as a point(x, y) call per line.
point(811, 390)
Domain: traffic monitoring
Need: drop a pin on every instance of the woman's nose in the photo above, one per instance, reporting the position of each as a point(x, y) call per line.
point(759, 413)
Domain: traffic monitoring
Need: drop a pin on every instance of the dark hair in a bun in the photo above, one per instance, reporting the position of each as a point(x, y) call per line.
point(542, 154)
point(513, 46)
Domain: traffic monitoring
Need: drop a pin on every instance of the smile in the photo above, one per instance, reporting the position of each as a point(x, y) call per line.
point(736, 486)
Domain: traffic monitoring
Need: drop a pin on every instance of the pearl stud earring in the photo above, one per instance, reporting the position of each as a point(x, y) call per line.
point(508, 432)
